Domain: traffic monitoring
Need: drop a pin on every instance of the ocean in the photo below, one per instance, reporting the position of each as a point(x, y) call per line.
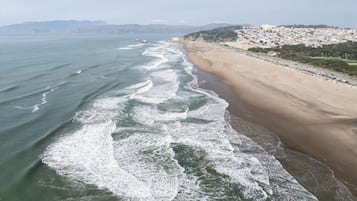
point(106, 117)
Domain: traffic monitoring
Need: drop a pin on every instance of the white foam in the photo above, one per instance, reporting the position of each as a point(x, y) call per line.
point(130, 47)
point(151, 159)
point(87, 155)
point(124, 48)
point(145, 88)
point(136, 45)
point(156, 64)
point(102, 109)
point(161, 87)
point(140, 163)
point(36, 107)
point(141, 87)
point(158, 94)
point(160, 52)
point(168, 75)
point(43, 100)
point(209, 137)
point(149, 115)
point(243, 169)
point(130, 154)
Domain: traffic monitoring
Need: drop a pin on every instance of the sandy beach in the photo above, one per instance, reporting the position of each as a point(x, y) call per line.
point(313, 116)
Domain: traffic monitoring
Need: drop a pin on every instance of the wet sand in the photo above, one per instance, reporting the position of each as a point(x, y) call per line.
point(312, 116)
point(315, 176)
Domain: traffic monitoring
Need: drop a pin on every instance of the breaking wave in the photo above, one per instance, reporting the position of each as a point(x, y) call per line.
point(166, 139)
point(133, 46)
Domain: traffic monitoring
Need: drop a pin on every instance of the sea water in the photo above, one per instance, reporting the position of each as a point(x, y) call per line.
point(104, 117)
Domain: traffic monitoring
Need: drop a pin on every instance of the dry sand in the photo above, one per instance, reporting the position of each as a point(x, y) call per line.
point(313, 116)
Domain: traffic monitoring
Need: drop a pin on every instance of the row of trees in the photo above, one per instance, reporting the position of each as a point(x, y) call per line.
point(326, 56)
point(346, 50)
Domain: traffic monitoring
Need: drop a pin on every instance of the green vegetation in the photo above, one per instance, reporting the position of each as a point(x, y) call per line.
point(340, 57)
point(222, 34)
point(350, 62)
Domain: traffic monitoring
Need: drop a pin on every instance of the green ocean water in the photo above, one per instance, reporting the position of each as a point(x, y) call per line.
point(106, 117)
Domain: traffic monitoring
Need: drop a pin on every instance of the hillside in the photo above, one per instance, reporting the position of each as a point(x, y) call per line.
point(62, 26)
point(216, 35)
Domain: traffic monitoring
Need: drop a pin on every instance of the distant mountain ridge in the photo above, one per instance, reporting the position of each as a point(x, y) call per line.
point(73, 26)
point(50, 26)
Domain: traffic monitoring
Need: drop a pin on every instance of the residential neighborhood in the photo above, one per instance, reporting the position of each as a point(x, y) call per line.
point(267, 36)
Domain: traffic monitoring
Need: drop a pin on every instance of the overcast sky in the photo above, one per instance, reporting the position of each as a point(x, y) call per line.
point(195, 12)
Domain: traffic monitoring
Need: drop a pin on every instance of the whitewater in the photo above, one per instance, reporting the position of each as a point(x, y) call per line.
point(165, 138)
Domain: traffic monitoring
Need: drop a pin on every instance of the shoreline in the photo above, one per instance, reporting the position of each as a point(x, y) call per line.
point(314, 136)
point(318, 178)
